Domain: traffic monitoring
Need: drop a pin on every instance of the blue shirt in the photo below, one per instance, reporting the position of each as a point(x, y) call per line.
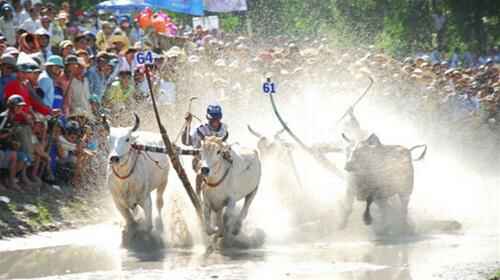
point(3, 82)
point(97, 83)
point(46, 83)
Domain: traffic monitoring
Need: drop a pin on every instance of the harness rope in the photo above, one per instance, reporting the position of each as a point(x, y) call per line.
point(139, 148)
point(131, 170)
point(213, 185)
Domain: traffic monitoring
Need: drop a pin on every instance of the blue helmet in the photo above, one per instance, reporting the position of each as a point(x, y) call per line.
point(214, 112)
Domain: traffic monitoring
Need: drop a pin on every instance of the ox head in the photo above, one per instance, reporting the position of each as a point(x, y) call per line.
point(120, 140)
point(364, 152)
point(213, 151)
point(265, 146)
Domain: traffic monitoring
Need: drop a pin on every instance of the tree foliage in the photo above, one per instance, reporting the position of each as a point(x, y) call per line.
point(397, 26)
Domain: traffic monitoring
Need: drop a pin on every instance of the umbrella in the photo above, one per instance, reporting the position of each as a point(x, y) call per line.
point(122, 6)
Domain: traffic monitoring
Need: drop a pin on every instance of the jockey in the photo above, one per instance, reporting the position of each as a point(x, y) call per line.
point(214, 127)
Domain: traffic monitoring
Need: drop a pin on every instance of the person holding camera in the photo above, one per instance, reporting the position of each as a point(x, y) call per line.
point(8, 145)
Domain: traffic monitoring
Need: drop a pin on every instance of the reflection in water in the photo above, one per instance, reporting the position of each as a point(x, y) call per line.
point(55, 261)
point(344, 260)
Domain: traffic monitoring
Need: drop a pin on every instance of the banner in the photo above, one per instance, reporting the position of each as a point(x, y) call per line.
point(224, 6)
point(208, 23)
point(191, 7)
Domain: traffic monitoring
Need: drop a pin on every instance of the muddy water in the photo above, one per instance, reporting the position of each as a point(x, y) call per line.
point(94, 253)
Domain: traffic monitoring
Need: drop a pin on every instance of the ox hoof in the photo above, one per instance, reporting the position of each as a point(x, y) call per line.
point(237, 228)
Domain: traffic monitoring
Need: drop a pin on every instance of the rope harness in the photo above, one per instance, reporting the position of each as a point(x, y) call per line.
point(227, 158)
point(131, 169)
point(139, 148)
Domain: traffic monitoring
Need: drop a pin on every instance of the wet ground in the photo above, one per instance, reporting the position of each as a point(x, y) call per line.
point(94, 253)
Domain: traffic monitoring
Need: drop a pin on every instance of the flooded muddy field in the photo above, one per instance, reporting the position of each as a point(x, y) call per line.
point(94, 253)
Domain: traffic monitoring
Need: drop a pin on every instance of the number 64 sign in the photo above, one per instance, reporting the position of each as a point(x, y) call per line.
point(144, 57)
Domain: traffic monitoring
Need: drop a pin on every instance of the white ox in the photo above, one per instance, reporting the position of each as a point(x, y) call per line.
point(133, 174)
point(229, 175)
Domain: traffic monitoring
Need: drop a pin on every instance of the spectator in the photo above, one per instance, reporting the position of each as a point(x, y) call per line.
point(22, 12)
point(84, 55)
point(91, 41)
point(7, 25)
point(103, 36)
point(46, 80)
point(78, 92)
point(8, 144)
point(8, 68)
point(120, 91)
point(66, 48)
point(98, 75)
point(45, 22)
point(43, 38)
point(57, 30)
point(31, 24)
point(26, 77)
point(68, 145)
point(81, 42)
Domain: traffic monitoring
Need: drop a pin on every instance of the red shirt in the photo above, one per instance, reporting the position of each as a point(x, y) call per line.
point(16, 87)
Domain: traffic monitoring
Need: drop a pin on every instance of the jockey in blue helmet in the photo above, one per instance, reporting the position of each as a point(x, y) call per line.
point(214, 127)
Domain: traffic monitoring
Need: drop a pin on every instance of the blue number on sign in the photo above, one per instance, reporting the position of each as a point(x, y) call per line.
point(268, 87)
point(142, 58)
point(149, 57)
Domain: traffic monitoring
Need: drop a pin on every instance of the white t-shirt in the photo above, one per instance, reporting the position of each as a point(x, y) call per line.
point(31, 25)
point(205, 130)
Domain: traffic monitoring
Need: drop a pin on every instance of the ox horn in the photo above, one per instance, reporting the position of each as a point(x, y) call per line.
point(137, 122)
point(105, 122)
point(255, 133)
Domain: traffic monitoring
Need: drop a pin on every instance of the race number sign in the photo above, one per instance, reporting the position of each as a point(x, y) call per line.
point(144, 57)
point(268, 87)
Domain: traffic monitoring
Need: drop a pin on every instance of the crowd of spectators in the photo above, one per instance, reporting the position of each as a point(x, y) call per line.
point(61, 71)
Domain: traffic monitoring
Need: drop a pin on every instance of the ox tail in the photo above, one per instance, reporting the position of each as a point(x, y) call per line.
point(423, 153)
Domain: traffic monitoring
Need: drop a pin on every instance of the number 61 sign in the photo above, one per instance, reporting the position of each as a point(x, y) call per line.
point(144, 57)
point(268, 87)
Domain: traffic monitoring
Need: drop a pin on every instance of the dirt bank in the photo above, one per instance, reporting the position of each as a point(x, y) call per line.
point(51, 209)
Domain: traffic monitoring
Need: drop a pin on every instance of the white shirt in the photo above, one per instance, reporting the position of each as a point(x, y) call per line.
point(8, 29)
point(205, 130)
point(19, 18)
point(30, 25)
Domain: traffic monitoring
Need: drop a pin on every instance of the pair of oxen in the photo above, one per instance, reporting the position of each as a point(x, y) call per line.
point(375, 172)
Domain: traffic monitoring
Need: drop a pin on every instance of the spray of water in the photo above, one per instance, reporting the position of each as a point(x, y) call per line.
point(446, 186)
